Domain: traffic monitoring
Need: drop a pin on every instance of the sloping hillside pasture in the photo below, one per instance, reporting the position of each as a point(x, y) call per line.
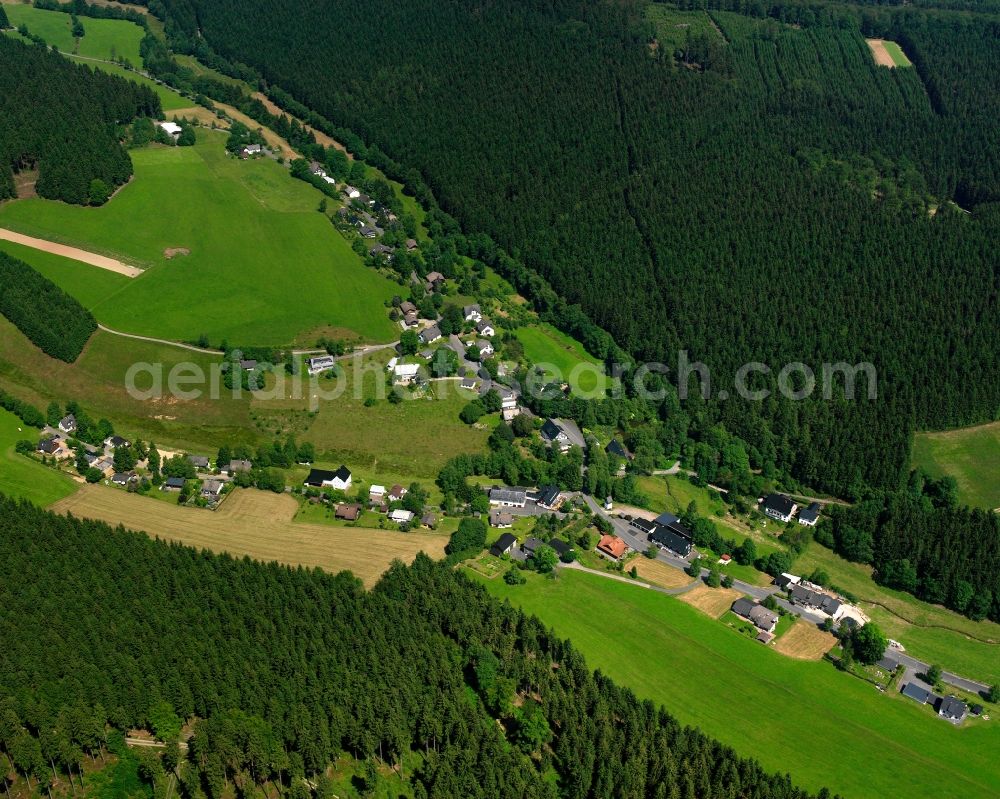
point(103, 38)
point(544, 345)
point(264, 266)
point(931, 633)
point(21, 477)
point(970, 455)
point(413, 438)
point(803, 717)
point(257, 524)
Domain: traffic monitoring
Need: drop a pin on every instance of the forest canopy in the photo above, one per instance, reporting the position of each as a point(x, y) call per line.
point(62, 119)
point(286, 669)
point(51, 319)
point(778, 198)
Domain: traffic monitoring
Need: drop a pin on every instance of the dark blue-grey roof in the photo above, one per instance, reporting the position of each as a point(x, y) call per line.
point(914, 691)
point(778, 503)
point(503, 543)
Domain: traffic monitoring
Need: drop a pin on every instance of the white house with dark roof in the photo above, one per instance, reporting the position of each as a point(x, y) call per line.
point(472, 313)
point(810, 515)
point(485, 328)
point(68, 424)
point(324, 478)
point(779, 507)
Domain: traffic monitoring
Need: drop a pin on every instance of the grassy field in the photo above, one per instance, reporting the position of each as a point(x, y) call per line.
point(103, 38)
point(565, 357)
point(97, 381)
point(264, 267)
point(853, 739)
point(929, 632)
point(896, 54)
point(385, 443)
point(88, 284)
point(257, 524)
point(970, 455)
point(22, 477)
point(169, 99)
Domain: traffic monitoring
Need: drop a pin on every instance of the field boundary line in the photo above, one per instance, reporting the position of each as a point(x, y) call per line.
point(73, 253)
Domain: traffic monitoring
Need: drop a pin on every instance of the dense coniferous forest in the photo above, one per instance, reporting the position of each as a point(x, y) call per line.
point(779, 198)
point(53, 320)
point(62, 119)
point(287, 668)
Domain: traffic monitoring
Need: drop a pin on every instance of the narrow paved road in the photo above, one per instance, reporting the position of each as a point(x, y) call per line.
point(361, 351)
point(632, 537)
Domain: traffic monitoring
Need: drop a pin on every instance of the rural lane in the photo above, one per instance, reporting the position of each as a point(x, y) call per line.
point(362, 351)
point(628, 534)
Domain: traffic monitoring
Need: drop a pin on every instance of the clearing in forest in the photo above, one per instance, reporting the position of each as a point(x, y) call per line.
point(257, 524)
point(106, 39)
point(888, 54)
point(970, 455)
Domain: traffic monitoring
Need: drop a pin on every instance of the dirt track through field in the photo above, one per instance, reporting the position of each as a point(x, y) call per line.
point(258, 524)
point(76, 254)
point(882, 57)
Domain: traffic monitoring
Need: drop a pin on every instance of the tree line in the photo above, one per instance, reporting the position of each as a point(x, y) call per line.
point(921, 541)
point(63, 120)
point(50, 318)
point(285, 669)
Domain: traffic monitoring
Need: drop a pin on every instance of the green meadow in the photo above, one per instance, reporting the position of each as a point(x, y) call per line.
point(22, 477)
point(970, 455)
point(896, 54)
point(387, 442)
point(103, 38)
point(547, 346)
point(823, 727)
point(264, 267)
point(931, 633)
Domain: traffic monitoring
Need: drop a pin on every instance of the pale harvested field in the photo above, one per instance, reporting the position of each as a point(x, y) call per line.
point(713, 601)
point(661, 574)
point(75, 253)
point(258, 524)
point(805, 641)
point(321, 137)
point(200, 114)
point(882, 57)
point(274, 141)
